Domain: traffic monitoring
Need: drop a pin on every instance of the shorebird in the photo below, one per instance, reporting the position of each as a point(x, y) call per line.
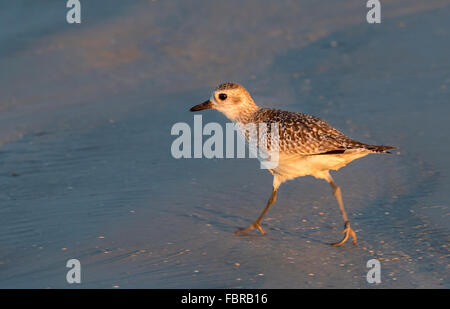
point(307, 145)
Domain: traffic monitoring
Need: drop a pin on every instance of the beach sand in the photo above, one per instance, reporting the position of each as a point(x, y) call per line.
point(86, 170)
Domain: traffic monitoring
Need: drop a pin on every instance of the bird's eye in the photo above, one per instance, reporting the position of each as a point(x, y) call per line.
point(222, 96)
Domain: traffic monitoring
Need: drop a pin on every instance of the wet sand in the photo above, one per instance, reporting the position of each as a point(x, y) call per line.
point(86, 170)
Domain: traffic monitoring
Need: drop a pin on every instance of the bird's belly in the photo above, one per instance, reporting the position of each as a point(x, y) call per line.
point(296, 166)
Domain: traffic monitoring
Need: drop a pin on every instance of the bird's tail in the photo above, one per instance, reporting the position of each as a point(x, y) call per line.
point(380, 149)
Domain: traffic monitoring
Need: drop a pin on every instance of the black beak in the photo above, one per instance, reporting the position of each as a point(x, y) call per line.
point(205, 105)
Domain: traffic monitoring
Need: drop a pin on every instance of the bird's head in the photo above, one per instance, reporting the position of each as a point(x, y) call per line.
point(232, 99)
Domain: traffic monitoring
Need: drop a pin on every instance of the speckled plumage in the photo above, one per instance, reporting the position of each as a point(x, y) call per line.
point(308, 135)
point(227, 86)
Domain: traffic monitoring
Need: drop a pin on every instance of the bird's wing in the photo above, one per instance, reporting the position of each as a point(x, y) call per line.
point(305, 134)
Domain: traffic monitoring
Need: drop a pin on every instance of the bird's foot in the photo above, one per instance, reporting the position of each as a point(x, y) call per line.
point(347, 231)
point(249, 228)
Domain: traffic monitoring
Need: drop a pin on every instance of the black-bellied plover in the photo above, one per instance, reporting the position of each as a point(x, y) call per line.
point(307, 145)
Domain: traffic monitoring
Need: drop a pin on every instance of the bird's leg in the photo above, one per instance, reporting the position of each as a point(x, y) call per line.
point(347, 230)
point(257, 224)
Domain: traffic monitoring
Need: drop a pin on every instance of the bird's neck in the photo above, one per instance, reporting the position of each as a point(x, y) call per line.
point(246, 116)
point(242, 114)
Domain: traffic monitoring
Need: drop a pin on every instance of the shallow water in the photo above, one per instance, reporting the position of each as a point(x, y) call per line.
point(86, 170)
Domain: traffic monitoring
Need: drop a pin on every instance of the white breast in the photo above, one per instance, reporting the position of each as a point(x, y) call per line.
point(292, 166)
